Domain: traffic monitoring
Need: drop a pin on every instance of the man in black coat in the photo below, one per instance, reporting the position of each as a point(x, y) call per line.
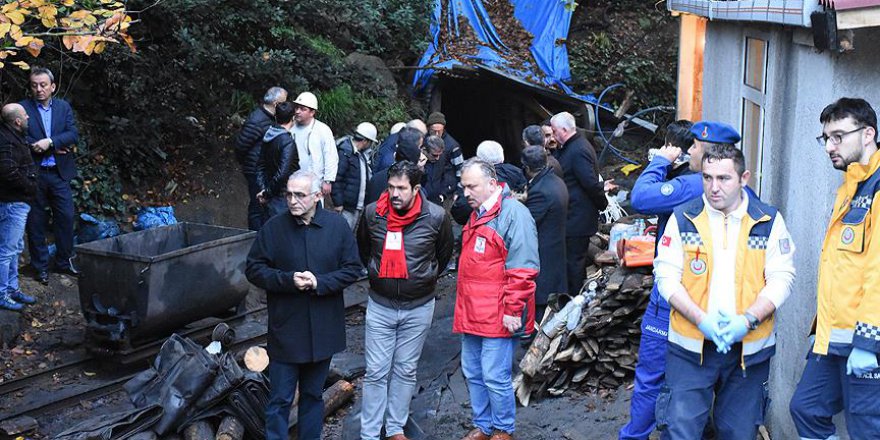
point(440, 180)
point(409, 147)
point(18, 187)
point(353, 173)
point(53, 136)
point(548, 202)
point(278, 160)
point(247, 149)
point(436, 125)
point(586, 194)
point(304, 260)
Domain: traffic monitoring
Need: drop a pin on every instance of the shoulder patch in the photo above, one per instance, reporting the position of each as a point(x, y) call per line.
point(667, 189)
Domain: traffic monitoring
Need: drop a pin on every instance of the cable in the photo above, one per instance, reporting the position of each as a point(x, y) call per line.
point(608, 145)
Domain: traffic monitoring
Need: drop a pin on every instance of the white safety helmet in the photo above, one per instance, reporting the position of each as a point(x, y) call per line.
point(307, 99)
point(366, 130)
point(396, 127)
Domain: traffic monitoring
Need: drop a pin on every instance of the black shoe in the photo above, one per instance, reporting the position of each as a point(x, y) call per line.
point(22, 298)
point(43, 277)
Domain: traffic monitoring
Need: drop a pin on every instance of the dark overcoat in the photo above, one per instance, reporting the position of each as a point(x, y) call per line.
point(304, 326)
point(586, 192)
point(548, 202)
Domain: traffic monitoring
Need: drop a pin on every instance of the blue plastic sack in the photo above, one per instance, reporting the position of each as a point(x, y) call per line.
point(92, 228)
point(153, 217)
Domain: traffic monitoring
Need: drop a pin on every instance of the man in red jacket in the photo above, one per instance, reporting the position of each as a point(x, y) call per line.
point(496, 296)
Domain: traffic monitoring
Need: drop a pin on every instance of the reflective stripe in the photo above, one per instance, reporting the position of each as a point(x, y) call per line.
point(841, 336)
point(689, 344)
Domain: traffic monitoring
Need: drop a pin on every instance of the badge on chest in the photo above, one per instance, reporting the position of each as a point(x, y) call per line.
point(480, 245)
point(394, 241)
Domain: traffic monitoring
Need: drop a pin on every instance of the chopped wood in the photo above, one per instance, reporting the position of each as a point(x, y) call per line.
point(200, 430)
point(230, 429)
point(602, 351)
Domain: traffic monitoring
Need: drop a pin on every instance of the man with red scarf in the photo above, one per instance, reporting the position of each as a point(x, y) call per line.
point(410, 243)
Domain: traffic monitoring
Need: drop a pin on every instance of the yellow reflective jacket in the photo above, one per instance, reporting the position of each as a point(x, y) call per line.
point(696, 238)
point(849, 269)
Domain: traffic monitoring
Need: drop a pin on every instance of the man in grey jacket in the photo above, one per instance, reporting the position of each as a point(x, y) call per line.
point(410, 243)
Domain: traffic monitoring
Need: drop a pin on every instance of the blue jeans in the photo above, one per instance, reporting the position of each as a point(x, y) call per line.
point(825, 390)
point(487, 364)
point(393, 345)
point(53, 192)
point(283, 379)
point(740, 397)
point(13, 217)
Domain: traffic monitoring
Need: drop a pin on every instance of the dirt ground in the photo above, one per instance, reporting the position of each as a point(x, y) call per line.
point(440, 410)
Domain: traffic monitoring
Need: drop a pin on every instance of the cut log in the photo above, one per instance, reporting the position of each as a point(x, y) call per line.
point(230, 429)
point(334, 397)
point(256, 359)
point(201, 430)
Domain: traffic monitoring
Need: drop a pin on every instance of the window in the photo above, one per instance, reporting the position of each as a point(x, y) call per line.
point(754, 97)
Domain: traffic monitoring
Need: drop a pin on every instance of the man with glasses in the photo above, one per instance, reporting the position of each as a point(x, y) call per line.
point(842, 371)
point(440, 180)
point(304, 260)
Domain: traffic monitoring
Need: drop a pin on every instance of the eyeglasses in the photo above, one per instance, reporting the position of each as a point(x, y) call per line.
point(835, 139)
point(298, 196)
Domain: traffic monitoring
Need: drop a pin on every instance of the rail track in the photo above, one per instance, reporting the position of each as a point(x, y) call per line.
point(90, 377)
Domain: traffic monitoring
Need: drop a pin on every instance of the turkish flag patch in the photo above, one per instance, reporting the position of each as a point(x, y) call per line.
point(665, 240)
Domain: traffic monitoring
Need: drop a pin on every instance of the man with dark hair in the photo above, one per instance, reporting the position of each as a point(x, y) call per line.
point(18, 186)
point(436, 124)
point(353, 173)
point(586, 194)
point(495, 297)
point(659, 189)
point(440, 180)
point(409, 147)
point(278, 160)
point(304, 259)
point(842, 371)
point(533, 135)
point(548, 203)
point(53, 136)
point(550, 142)
point(247, 149)
point(410, 243)
point(724, 264)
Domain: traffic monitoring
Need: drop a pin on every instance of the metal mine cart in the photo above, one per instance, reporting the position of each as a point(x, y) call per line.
point(144, 285)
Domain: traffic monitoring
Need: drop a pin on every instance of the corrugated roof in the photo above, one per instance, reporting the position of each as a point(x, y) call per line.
point(841, 5)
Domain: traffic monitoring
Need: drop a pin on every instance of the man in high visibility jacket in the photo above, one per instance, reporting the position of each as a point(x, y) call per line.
point(724, 264)
point(841, 371)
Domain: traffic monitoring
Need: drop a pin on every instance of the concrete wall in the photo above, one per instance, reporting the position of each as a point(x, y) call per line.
point(797, 174)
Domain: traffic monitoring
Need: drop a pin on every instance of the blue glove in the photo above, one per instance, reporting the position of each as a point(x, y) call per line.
point(736, 329)
point(861, 362)
point(711, 327)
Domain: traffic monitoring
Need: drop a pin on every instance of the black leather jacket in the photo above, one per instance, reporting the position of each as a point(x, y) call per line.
point(278, 160)
point(249, 140)
point(427, 242)
point(18, 173)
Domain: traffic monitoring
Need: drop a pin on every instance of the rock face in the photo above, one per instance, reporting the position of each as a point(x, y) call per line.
point(376, 69)
point(10, 326)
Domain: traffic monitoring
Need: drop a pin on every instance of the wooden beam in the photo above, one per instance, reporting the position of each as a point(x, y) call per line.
point(858, 18)
point(692, 40)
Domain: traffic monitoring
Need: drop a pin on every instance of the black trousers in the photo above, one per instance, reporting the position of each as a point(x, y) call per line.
point(283, 381)
point(576, 266)
point(254, 209)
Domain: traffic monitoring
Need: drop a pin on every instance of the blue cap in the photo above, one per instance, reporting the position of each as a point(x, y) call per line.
point(715, 132)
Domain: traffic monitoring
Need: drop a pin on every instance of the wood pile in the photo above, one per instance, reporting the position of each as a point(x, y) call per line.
point(601, 351)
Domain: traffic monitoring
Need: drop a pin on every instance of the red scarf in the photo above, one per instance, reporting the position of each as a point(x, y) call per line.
point(394, 259)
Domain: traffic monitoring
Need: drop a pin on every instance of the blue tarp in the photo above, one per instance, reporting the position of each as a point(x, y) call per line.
point(547, 20)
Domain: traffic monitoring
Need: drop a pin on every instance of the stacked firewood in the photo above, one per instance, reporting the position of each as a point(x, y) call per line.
point(598, 348)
